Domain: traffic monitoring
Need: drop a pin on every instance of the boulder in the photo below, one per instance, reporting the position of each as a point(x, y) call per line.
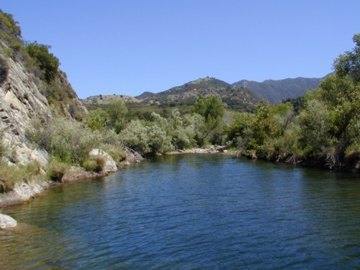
point(132, 156)
point(109, 163)
point(7, 222)
point(28, 190)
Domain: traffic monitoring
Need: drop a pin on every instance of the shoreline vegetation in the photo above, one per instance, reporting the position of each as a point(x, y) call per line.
point(26, 191)
point(48, 136)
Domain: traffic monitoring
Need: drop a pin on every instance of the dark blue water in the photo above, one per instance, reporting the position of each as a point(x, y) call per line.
point(192, 212)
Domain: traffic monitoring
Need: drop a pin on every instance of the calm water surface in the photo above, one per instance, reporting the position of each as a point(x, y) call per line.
point(192, 212)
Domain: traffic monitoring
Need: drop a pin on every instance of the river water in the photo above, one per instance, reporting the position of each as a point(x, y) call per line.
point(192, 212)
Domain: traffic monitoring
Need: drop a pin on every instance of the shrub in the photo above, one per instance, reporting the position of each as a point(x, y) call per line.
point(68, 141)
point(97, 119)
point(94, 164)
point(46, 61)
point(147, 137)
point(91, 165)
point(116, 152)
point(56, 170)
point(9, 25)
point(10, 175)
point(4, 70)
point(135, 136)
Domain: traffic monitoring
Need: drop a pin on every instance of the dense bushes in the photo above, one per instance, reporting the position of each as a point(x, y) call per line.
point(324, 131)
point(46, 61)
point(160, 134)
point(70, 142)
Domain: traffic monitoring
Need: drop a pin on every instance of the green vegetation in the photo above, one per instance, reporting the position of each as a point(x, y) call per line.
point(158, 129)
point(94, 164)
point(45, 60)
point(71, 142)
point(275, 91)
point(4, 70)
point(324, 131)
point(320, 129)
point(39, 61)
point(56, 170)
point(10, 33)
point(9, 177)
point(234, 97)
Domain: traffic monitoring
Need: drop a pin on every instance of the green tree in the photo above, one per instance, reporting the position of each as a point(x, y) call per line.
point(349, 62)
point(47, 62)
point(212, 109)
point(97, 119)
point(117, 112)
point(135, 136)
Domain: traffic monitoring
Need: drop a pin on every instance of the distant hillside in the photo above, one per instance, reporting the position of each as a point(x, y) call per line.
point(274, 91)
point(240, 96)
point(145, 95)
point(99, 100)
point(235, 97)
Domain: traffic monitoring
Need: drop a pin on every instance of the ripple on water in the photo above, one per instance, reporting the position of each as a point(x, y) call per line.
point(192, 212)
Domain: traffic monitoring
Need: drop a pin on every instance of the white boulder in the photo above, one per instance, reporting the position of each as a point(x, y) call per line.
point(7, 222)
point(109, 163)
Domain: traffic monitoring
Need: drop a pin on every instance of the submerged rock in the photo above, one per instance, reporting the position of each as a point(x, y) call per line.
point(7, 222)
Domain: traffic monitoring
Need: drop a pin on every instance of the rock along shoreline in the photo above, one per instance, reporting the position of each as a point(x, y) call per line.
point(26, 191)
point(208, 150)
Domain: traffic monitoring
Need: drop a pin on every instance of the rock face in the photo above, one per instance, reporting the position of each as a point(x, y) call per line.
point(23, 192)
point(132, 156)
point(7, 222)
point(109, 163)
point(21, 101)
point(24, 96)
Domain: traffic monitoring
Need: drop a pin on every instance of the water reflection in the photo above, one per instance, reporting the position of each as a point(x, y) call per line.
point(192, 211)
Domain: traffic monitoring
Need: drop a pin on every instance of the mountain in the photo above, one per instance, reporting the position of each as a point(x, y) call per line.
point(145, 95)
point(274, 91)
point(235, 97)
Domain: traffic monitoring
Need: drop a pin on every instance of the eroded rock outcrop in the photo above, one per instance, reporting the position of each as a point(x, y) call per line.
point(21, 101)
point(22, 192)
point(109, 165)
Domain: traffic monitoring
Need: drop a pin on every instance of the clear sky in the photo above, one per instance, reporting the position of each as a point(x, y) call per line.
point(131, 46)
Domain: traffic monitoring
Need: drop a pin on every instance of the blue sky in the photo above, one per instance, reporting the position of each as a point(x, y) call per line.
point(127, 47)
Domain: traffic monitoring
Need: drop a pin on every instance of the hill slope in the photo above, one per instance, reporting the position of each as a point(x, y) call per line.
point(274, 91)
point(233, 96)
point(26, 94)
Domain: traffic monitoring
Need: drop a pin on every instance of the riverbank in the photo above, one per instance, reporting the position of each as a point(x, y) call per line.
point(27, 190)
point(207, 150)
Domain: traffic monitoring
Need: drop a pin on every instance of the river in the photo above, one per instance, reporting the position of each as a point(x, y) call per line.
point(191, 212)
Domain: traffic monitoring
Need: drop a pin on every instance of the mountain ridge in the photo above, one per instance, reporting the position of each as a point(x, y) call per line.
point(234, 97)
point(275, 91)
point(241, 95)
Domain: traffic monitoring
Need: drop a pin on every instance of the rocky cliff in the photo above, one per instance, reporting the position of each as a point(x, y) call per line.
point(25, 95)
